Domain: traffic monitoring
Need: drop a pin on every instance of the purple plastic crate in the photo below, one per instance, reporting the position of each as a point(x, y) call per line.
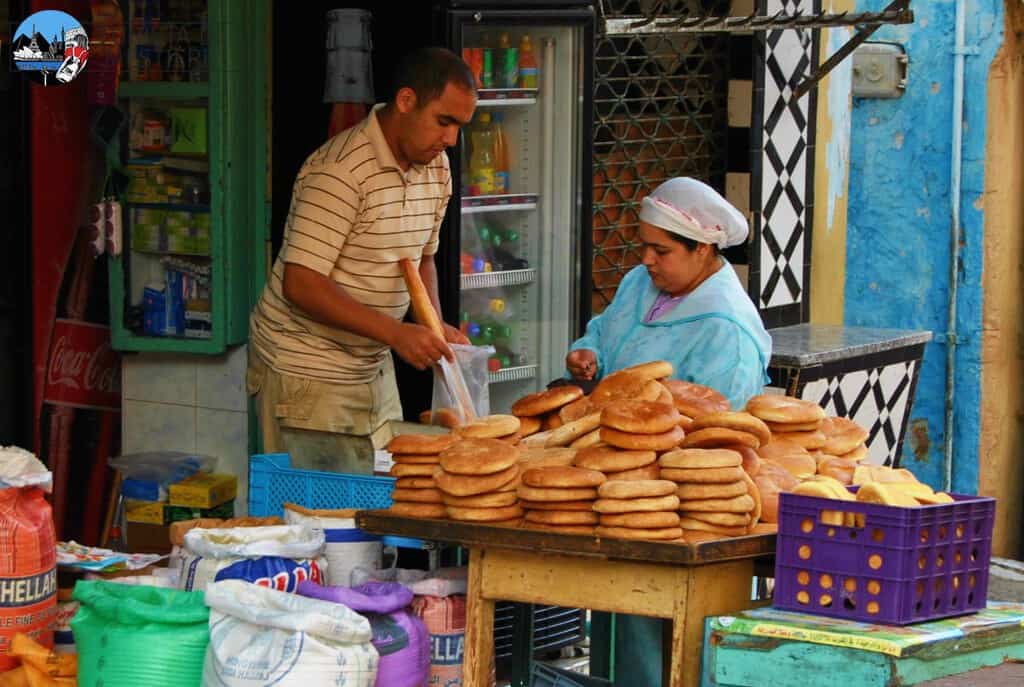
point(885, 564)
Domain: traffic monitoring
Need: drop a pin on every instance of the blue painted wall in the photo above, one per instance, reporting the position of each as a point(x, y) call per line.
point(898, 246)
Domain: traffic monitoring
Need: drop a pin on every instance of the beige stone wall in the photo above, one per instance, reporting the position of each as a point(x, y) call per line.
point(828, 242)
point(1001, 441)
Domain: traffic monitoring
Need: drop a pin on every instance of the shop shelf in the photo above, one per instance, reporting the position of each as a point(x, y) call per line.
point(509, 202)
point(513, 374)
point(544, 675)
point(178, 90)
point(499, 97)
point(489, 280)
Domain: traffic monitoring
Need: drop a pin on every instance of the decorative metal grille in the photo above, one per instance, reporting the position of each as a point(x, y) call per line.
point(660, 111)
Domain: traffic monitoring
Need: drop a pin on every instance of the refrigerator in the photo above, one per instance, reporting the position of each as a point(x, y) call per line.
point(514, 264)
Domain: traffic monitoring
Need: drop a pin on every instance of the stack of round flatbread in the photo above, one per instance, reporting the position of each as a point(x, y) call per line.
point(637, 425)
point(844, 439)
point(716, 495)
point(619, 464)
point(638, 509)
point(727, 429)
point(507, 428)
point(790, 419)
point(477, 479)
point(694, 401)
point(560, 499)
point(542, 410)
point(416, 457)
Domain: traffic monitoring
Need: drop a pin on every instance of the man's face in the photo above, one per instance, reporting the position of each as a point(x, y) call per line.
point(426, 131)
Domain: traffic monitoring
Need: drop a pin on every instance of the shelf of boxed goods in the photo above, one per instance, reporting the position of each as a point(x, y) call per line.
point(501, 97)
point(512, 374)
point(498, 279)
point(499, 203)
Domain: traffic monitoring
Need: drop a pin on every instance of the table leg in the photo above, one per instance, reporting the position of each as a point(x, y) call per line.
point(713, 589)
point(479, 652)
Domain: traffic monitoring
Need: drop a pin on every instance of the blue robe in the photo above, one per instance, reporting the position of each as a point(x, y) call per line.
point(713, 337)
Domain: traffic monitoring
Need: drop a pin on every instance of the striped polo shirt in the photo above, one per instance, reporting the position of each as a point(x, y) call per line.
point(354, 213)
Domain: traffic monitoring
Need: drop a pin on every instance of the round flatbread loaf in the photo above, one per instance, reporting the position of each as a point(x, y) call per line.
point(484, 514)
point(537, 440)
point(588, 440)
point(656, 369)
point(651, 471)
point(657, 503)
point(654, 534)
point(479, 457)
point(416, 495)
point(664, 441)
point(624, 384)
point(700, 458)
point(691, 524)
point(585, 530)
point(698, 492)
point(686, 422)
point(421, 444)
point(858, 454)
point(755, 493)
point(562, 517)
point(840, 469)
point(512, 522)
point(557, 505)
point(640, 520)
point(742, 422)
point(784, 409)
point(639, 417)
point(716, 437)
point(529, 493)
point(490, 427)
point(624, 489)
point(546, 401)
point(418, 510)
point(551, 421)
point(751, 461)
point(563, 477)
point(528, 426)
point(413, 459)
point(695, 400)
point(765, 528)
point(842, 435)
point(703, 475)
point(783, 477)
point(808, 440)
point(665, 396)
point(415, 483)
point(571, 431)
point(736, 504)
point(412, 470)
point(721, 519)
point(545, 457)
point(794, 426)
point(608, 459)
point(471, 485)
point(495, 499)
point(578, 408)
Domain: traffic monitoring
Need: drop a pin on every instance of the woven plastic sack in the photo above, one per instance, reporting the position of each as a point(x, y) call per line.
point(40, 667)
point(128, 636)
point(400, 637)
point(346, 546)
point(261, 637)
point(277, 557)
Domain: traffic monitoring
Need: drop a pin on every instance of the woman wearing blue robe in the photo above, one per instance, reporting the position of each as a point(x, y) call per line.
point(685, 305)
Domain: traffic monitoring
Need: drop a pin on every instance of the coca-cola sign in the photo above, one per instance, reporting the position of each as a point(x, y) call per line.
point(83, 370)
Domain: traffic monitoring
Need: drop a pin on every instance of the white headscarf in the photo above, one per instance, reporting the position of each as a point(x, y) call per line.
point(691, 208)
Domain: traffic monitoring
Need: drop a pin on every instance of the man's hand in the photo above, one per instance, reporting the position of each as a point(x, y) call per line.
point(453, 335)
point(582, 363)
point(418, 346)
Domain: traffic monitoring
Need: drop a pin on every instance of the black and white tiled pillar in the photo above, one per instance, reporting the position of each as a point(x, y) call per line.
point(782, 174)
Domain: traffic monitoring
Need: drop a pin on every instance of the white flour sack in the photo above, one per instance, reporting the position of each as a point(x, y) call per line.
point(347, 547)
point(277, 557)
point(261, 637)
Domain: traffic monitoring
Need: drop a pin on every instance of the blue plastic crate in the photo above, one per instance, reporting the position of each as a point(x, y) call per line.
point(273, 483)
point(543, 675)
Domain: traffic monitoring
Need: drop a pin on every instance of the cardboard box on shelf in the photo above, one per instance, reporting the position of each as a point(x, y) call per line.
point(224, 511)
point(145, 538)
point(203, 490)
point(150, 512)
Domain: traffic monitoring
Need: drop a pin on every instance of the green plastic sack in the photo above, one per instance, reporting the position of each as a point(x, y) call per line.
point(129, 635)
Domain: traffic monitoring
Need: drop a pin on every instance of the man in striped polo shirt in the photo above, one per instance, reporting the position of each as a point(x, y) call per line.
point(321, 334)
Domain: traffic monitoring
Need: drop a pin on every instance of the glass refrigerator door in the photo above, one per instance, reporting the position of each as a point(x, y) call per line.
point(520, 201)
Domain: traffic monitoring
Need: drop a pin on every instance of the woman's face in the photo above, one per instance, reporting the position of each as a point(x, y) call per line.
point(674, 268)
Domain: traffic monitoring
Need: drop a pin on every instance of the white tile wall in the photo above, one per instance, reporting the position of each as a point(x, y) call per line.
point(189, 403)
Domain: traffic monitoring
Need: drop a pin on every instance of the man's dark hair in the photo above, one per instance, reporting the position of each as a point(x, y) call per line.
point(428, 70)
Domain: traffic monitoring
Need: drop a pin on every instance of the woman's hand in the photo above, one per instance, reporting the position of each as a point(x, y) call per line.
point(582, 363)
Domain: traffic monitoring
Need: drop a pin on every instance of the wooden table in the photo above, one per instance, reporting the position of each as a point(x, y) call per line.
point(683, 583)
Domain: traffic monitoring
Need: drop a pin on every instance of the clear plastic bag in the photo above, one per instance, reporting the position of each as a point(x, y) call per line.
point(472, 360)
point(147, 475)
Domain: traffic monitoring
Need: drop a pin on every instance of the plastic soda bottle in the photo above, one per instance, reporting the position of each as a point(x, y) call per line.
point(501, 163)
point(481, 162)
point(506, 68)
point(528, 70)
